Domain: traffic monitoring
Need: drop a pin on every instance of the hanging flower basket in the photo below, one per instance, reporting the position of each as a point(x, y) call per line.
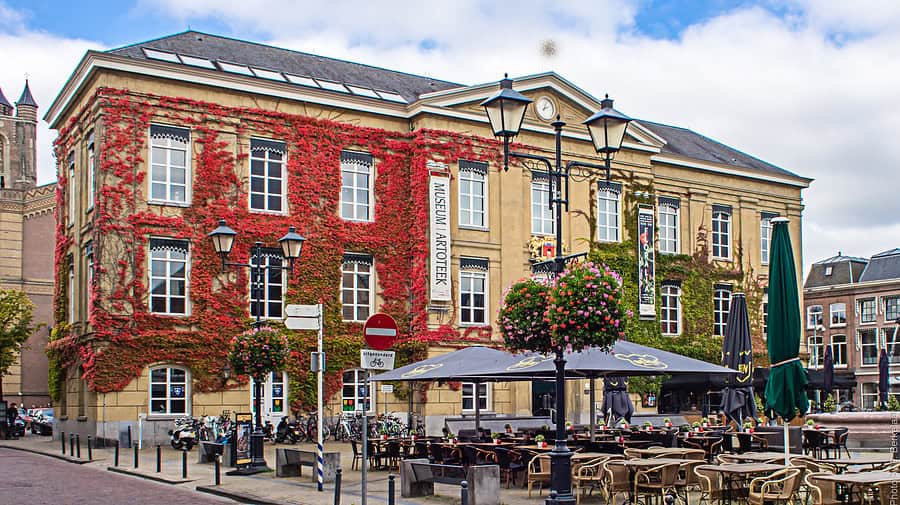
point(258, 352)
point(579, 309)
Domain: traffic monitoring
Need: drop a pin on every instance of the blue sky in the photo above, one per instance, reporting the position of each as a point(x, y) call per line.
point(809, 85)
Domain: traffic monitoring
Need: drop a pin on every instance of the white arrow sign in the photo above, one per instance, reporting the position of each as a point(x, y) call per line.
point(301, 310)
point(302, 323)
point(376, 360)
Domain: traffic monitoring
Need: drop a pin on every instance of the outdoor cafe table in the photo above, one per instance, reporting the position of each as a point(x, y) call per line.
point(871, 460)
point(743, 470)
point(671, 451)
point(758, 457)
point(860, 479)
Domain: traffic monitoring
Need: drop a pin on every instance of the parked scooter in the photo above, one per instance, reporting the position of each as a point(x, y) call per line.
point(289, 432)
point(186, 434)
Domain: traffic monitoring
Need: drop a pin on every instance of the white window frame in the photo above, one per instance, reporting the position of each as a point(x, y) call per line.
point(607, 232)
point(355, 268)
point(765, 239)
point(670, 294)
point(862, 313)
point(668, 234)
point(890, 346)
point(169, 259)
point(721, 218)
point(169, 145)
point(71, 290)
point(542, 221)
point(168, 398)
point(72, 189)
point(815, 345)
point(469, 215)
point(839, 350)
point(721, 307)
point(863, 346)
point(358, 381)
point(837, 309)
point(811, 312)
point(268, 255)
point(468, 276)
point(265, 156)
point(89, 274)
point(896, 300)
point(362, 212)
point(485, 392)
point(764, 306)
point(91, 167)
point(868, 395)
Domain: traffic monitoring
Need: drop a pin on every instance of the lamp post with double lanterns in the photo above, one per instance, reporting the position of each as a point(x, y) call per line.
point(291, 247)
point(506, 113)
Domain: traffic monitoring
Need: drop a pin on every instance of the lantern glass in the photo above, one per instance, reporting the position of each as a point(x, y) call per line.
point(222, 238)
point(291, 244)
point(506, 110)
point(607, 133)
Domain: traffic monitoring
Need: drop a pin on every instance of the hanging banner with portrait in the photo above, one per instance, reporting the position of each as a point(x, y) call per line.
point(243, 427)
point(646, 260)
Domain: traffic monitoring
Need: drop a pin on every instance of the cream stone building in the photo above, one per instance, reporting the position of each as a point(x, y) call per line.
point(26, 232)
point(164, 113)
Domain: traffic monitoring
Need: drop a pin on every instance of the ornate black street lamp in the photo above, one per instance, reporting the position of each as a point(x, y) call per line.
point(291, 247)
point(506, 112)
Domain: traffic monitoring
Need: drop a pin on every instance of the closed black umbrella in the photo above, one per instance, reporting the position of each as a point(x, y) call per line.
point(883, 374)
point(616, 402)
point(828, 372)
point(737, 353)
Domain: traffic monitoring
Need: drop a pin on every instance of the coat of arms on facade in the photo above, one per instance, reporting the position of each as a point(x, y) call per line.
point(542, 247)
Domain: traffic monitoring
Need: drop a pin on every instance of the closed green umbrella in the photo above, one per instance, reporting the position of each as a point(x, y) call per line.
point(786, 389)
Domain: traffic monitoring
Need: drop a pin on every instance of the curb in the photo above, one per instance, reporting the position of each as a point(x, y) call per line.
point(236, 496)
point(148, 476)
point(49, 454)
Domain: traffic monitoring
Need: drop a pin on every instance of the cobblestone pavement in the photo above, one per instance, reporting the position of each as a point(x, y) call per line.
point(36, 480)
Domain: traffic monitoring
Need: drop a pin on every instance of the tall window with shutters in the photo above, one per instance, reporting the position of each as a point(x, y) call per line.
point(356, 186)
point(170, 171)
point(473, 194)
point(268, 177)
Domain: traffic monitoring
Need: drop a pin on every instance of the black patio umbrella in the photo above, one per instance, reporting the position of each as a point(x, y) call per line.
point(883, 376)
point(828, 372)
point(737, 353)
point(616, 401)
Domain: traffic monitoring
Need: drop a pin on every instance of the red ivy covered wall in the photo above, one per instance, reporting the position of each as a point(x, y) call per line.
point(127, 337)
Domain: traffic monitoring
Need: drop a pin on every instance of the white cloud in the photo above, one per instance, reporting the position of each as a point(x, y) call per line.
point(48, 60)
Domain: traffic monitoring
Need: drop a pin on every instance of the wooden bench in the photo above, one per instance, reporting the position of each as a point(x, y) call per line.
point(290, 463)
point(418, 477)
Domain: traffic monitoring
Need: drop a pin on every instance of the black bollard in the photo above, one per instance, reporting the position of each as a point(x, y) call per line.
point(218, 467)
point(71, 445)
point(116, 455)
point(135, 453)
point(391, 490)
point(62, 440)
point(90, 452)
point(184, 464)
point(337, 486)
point(464, 494)
point(78, 445)
point(158, 458)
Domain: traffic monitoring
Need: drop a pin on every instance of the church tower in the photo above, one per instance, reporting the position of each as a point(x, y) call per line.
point(20, 162)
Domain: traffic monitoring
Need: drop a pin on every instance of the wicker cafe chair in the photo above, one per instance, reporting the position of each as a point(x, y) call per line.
point(888, 493)
point(710, 483)
point(616, 479)
point(687, 480)
point(587, 476)
point(657, 481)
point(779, 487)
point(538, 472)
point(822, 492)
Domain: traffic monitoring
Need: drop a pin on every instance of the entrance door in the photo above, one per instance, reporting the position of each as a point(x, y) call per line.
point(274, 400)
point(543, 394)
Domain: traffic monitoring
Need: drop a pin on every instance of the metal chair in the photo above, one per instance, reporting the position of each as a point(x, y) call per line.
point(710, 484)
point(616, 479)
point(587, 476)
point(510, 462)
point(779, 487)
point(822, 492)
point(657, 481)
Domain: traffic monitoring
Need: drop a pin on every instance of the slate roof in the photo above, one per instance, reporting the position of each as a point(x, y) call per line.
point(844, 270)
point(883, 266)
point(26, 98)
point(3, 100)
point(215, 47)
point(690, 144)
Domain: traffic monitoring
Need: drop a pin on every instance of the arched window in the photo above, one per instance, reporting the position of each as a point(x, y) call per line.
point(170, 390)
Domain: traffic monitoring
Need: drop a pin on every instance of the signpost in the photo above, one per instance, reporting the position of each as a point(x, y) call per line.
point(380, 332)
point(309, 317)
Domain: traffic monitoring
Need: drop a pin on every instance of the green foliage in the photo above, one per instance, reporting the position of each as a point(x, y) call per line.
point(893, 404)
point(523, 320)
point(585, 308)
point(16, 317)
point(258, 352)
point(830, 404)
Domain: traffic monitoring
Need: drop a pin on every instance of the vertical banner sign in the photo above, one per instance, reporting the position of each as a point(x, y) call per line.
point(439, 196)
point(646, 264)
point(243, 426)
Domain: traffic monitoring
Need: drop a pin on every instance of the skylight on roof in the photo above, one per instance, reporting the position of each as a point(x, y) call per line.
point(197, 62)
point(237, 69)
point(394, 97)
point(161, 55)
point(303, 81)
point(268, 74)
point(356, 90)
point(333, 86)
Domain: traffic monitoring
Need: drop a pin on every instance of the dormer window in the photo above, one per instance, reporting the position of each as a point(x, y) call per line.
point(828, 270)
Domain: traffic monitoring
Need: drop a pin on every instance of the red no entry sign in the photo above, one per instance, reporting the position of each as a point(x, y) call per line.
point(380, 331)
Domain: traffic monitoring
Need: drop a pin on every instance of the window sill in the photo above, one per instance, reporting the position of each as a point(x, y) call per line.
point(165, 203)
point(841, 325)
point(474, 228)
point(617, 241)
point(473, 325)
point(671, 335)
point(82, 419)
point(173, 316)
point(357, 220)
point(717, 258)
point(164, 417)
point(472, 412)
point(268, 212)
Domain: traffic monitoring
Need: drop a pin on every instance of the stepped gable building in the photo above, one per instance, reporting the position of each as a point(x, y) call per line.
point(160, 139)
point(26, 254)
point(853, 305)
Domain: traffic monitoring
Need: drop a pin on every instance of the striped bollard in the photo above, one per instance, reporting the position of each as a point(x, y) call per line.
point(320, 466)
